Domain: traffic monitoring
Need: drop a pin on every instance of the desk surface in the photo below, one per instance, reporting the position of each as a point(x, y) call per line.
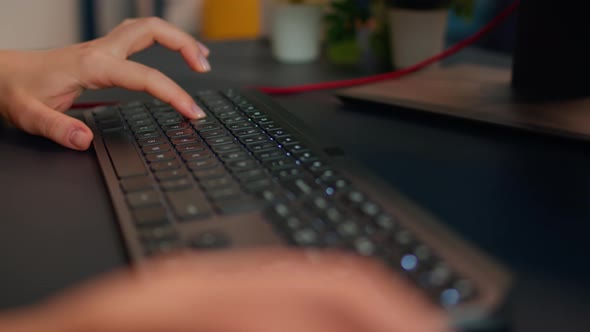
point(523, 198)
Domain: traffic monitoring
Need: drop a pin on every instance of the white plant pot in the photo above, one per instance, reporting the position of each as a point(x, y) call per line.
point(416, 34)
point(295, 32)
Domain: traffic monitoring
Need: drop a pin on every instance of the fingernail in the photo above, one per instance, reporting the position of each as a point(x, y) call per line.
point(203, 49)
point(205, 66)
point(197, 112)
point(78, 139)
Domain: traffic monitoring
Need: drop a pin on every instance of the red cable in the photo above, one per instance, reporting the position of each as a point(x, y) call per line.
point(399, 73)
point(375, 78)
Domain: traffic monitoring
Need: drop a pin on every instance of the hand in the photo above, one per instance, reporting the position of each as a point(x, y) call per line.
point(240, 291)
point(37, 87)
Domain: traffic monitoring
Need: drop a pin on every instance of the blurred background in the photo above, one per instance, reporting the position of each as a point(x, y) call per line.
point(39, 24)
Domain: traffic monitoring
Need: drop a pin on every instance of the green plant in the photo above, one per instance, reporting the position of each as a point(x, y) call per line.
point(463, 8)
point(343, 19)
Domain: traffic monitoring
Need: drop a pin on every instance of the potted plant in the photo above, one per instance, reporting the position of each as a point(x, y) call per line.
point(418, 27)
point(343, 20)
point(296, 30)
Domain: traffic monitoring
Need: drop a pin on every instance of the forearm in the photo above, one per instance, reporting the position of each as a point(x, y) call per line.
point(31, 321)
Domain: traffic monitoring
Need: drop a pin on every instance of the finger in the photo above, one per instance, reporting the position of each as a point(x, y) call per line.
point(37, 118)
point(137, 35)
point(134, 76)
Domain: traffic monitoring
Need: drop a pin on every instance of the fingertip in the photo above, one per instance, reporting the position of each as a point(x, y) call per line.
point(204, 50)
point(204, 65)
point(197, 112)
point(80, 139)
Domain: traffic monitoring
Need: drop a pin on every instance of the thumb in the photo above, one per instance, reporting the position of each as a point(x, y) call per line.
point(39, 119)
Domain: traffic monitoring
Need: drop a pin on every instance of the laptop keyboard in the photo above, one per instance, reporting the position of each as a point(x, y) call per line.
point(238, 160)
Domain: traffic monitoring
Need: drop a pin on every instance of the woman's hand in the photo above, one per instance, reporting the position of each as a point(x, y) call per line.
point(36, 87)
point(240, 291)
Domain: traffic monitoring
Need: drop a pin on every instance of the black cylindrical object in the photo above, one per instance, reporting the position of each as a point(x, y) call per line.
point(552, 53)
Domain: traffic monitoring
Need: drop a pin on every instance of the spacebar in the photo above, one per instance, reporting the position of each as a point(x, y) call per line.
point(123, 154)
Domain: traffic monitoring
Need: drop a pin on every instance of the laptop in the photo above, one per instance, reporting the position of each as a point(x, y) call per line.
point(251, 175)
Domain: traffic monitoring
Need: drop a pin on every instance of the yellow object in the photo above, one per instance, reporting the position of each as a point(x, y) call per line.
point(231, 19)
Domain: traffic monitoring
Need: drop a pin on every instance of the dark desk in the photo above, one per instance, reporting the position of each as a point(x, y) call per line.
point(522, 197)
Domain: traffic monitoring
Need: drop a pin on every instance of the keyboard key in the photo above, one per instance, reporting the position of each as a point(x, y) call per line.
point(147, 134)
point(251, 175)
point(151, 141)
point(156, 148)
point(255, 113)
point(185, 140)
point(278, 133)
point(155, 157)
point(150, 216)
point(287, 140)
point(262, 120)
point(178, 126)
point(162, 115)
point(189, 204)
point(171, 121)
point(203, 121)
point(270, 155)
point(124, 156)
point(170, 174)
point(176, 184)
point(198, 155)
point(306, 237)
point(364, 246)
point(227, 147)
point(137, 183)
point(215, 141)
point(207, 127)
point(259, 185)
point(242, 165)
point(210, 173)
point(348, 229)
point(254, 139)
point(234, 120)
point(370, 209)
point(213, 133)
point(241, 125)
point(305, 157)
point(269, 126)
point(110, 126)
point(106, 114)
point(140, 122)
point(247, 132)
point(300, 187)
point(179, 133)
point(288, 174)
point(264, 146)
point(132, 110)
point(224, 193)
point(277, 165)
point(234, 156)
point(143, 128)
point(192, 147)
point(237, 204)
point(295, 148)
point(143, 198)
point(203, 164)
point(137, 116)
point(228, 114)
point(153, 235)
point(153, 248)
point(223, 181)
point(165, 165)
